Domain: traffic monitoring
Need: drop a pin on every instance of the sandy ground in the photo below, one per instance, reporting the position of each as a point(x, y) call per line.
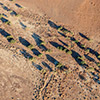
point(24, 79)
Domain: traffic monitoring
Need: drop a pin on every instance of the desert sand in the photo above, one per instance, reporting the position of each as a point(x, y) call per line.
point(49, 50)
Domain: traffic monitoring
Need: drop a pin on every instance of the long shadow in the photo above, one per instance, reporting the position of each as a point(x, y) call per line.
point(1, 3)
point(23, 26)
point(89, 58)
point(53, 25)
point(19, 6)
point(13, 13)
point(51, 59)
point(36, 52)
point(37, 66)
point(94, 53)
point(46, 65)
point(62, 34)
point(24, 42)
point(63, 43)
point(4, 20)
point(55, 62)
point(82, 35)
point(25, 54)
point(6, 8)
point(4, 33)
point(56, 45)
point(75, 55)
point(38, 42)
point(78, 43)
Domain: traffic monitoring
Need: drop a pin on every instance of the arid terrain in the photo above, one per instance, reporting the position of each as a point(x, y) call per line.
point(49, 50)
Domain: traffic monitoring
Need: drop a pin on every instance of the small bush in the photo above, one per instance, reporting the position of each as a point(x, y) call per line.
point(59, 65)
point(43, 71)
point(87, 50)
point(83, 62)
point(32, 58)
point(69, 52)
point(90, 69)
point(59, 28)
point(31, 46)
point(98, 56)
point(39, 55)
point(13, 41)
point(9, 37)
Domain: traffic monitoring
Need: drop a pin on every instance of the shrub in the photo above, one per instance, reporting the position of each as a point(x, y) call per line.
point(87, 50)
point(69, 52)
point(81, 58)
point(9, 37)
point(99, 56)
point(59, 28)
point(82, 45)
point(83, 62)
point(32, 58)
point(59, 65)
point(76, 41)
point(43, 71)
point(42, 43)
point(31, 46)
point(39, 55)
point(13, 41)
point(90, 69)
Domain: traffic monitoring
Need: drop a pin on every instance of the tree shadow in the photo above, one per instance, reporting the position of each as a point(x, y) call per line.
point(1, 3)
point(39, 42)
point(53, 25)
point(62, 34)
point(4, 33)
point(51, 59)
point(24, 42)
point(89, 58)
point(13, 13)
point(36, 52)
point(23, 26)
point(82, 35)
point(46, 65)
point(94, 53)
point(63, 43)
point(37, 66)
point(78, 43)
point(76, 56)
point(25, 54)
point(19, 6)
point(56, 45)
point(4, 20)
point(6, 8)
